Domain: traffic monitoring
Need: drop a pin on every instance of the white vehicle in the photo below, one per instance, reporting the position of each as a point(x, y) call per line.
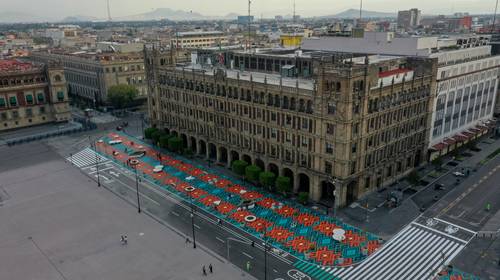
point(158, 169)
point(115, 142)
point(459, 174)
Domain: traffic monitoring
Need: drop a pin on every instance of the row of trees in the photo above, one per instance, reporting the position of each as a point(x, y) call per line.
point(164, 140)
point(266, 179)
point(252, 173)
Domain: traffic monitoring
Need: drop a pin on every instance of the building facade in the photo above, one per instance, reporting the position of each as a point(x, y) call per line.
point(31, 94)
point(90, 75)
point(199, 39)
point(355, 125)
point(409, 19)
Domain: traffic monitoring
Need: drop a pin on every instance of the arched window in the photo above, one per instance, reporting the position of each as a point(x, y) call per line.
point(57, 78)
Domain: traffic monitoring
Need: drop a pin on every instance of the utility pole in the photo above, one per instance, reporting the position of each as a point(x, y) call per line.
point(109, 12)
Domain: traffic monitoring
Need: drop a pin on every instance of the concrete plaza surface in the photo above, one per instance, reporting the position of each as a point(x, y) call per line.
point(55, 223)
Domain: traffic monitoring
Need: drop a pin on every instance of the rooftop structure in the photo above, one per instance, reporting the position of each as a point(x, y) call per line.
point(16, 66)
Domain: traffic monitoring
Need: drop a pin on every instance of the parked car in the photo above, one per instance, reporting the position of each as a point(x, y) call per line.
point(458, 174)
point(439, 186)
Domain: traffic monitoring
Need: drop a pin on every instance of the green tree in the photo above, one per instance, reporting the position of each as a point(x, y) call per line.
point(252, 173)
point(155, 136)
point(175, 144)
point(284, 185)
point(239, 167)
point(148, 132)
point(122, 96)
point(267, 179)
point(303, 197)
point(164, 140)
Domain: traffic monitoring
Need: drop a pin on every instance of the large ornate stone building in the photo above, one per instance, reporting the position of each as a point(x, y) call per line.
point(91, 74)
point(354, 125)
point(32, 94)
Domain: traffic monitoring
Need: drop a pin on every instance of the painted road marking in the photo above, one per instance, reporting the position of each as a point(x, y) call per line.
point(250, 257)
point(416, 252)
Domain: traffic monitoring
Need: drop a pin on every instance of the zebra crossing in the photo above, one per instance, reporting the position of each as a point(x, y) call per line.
point(86, 157)
point(417, 252)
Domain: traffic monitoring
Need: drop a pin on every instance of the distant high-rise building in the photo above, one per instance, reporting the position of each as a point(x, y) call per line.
point(409, 18)
point(245, 19)
point(278, 18)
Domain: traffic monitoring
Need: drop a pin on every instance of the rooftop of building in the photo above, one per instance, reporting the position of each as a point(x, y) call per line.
point(258, 77)
point(14, 65)
point(97, 55)
point(198, 33)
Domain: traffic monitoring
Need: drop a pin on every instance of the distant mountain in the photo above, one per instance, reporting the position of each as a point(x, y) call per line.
point(166, 13)
point(353, 13)
point(13, 17)
point(79, 18)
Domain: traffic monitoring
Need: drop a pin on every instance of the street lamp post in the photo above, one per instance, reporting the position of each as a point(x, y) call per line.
point(192, 219)
point(96, 162)
point(265, 258)
point(136, 186)
point(137, 190)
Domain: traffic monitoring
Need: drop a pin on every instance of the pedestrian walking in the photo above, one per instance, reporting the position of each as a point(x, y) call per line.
point(488, 207)
point(219, 222)
point(187, 240)
point(210, 267)
point(204, 271)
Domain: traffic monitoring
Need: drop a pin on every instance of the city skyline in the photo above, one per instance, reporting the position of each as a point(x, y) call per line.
point(260, 8)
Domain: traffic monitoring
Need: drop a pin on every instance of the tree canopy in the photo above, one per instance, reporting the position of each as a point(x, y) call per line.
point(122, 96)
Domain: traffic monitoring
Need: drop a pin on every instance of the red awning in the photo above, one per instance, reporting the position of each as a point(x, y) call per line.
point(450, 141)
point(460, 138)
point(439, 146)
point(468, 134)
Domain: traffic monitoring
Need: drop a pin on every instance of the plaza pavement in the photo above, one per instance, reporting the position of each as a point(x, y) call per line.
point(56, 224)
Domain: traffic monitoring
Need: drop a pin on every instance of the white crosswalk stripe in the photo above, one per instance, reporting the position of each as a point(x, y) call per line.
point(86, 157)
point(414, 253)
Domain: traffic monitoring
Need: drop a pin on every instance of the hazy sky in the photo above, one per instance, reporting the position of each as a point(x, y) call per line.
point(97, 8)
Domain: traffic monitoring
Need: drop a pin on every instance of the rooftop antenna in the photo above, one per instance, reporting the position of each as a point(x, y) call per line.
point(494, 18)
point(248, 24)
point(294, 16)
point(361, 10)
point(109, 12)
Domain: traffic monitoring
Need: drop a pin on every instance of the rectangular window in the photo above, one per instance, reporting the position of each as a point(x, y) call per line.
point(40, 97)
point(329, 148)
point(29, 99)
point(2, 102)
point(60, 96)
point(13, 101)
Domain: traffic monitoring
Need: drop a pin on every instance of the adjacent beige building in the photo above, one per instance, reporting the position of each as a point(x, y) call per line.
point(90, 74)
